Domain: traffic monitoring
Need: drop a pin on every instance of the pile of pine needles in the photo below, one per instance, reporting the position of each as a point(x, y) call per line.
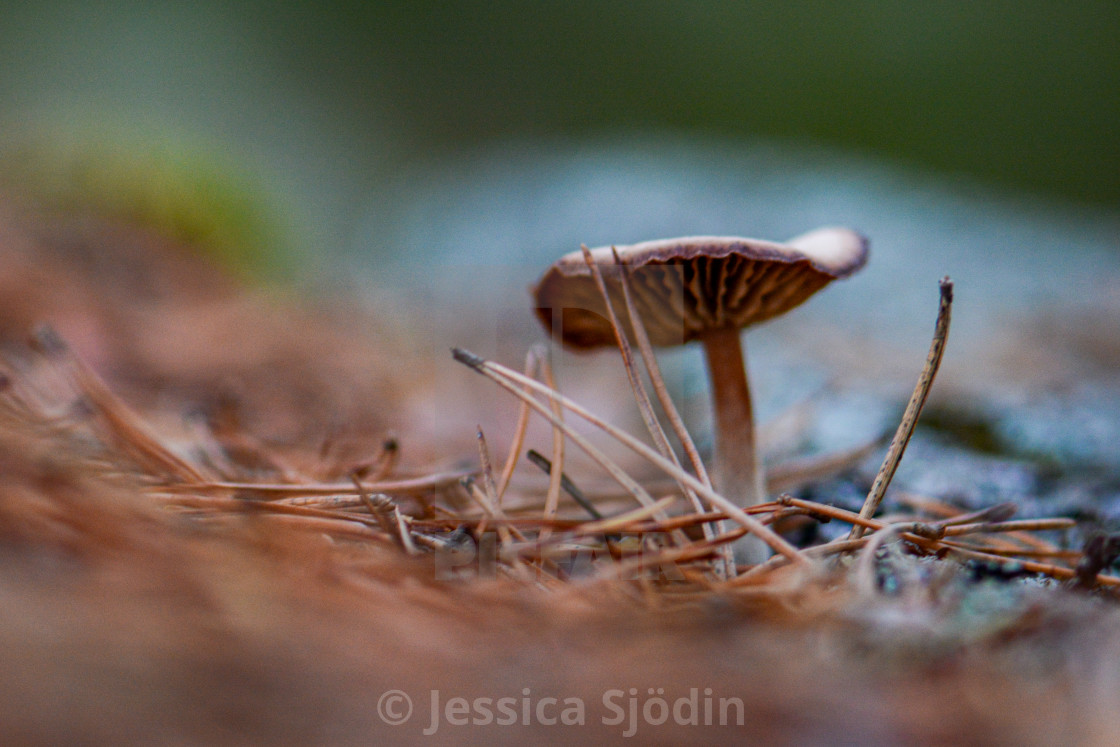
point(674, 546)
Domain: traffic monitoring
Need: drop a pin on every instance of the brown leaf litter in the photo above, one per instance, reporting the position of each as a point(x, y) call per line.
point(207, 535)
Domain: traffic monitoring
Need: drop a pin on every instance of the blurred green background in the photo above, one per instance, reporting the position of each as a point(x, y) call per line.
point(322, 102)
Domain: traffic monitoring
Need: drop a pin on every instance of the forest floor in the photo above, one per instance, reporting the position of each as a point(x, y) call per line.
point(234, 515)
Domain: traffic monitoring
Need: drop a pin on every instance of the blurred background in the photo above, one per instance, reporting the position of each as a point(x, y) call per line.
point(432, 155)
point(324, 105)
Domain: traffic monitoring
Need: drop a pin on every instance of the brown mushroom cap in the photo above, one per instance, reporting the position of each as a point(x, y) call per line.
point(685, 287)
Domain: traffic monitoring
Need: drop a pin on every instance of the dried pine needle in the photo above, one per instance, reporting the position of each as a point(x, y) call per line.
point(913, 408)
point(504, 376)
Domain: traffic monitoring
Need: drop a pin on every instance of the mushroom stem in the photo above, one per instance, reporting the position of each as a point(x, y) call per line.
point(738, 472)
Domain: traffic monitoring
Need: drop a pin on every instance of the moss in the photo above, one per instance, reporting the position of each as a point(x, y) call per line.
point(180, 186)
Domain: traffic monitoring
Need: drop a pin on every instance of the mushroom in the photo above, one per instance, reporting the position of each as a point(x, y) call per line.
point(703, 288)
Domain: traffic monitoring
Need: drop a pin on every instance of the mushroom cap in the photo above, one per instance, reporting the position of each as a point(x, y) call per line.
point(685, 287)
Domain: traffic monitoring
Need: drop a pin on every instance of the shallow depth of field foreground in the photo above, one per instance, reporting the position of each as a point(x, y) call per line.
point(232, 515)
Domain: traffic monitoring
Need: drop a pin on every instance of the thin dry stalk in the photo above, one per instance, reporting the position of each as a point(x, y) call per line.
point(330, 525)
point(222, 505)
point(379, 509)
point(388, 515)
point(666, 560)
point(997, 513)
point(324, 501)
point(380, 466)
point(326, 521)
point(653, 370)
point(1069, 556)
point(953, 515)
point(677, 522)
point(645, 406)
point(1046, 569)
point(836, 548)
point(913, 409)
point(272, 491)
point(552, 498)
point(506, 532)
point(487, 474)
point(1023, 525)
point(611, 467)
point(620, 522)
point(217, 506)
point(505, 377)
point(536, 458)
point(907, 531)
point(125, 428)
point(830, 512)
point(519, 430)
point(404, 532)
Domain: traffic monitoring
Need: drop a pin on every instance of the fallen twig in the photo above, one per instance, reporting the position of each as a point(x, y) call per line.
point(913, 409)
